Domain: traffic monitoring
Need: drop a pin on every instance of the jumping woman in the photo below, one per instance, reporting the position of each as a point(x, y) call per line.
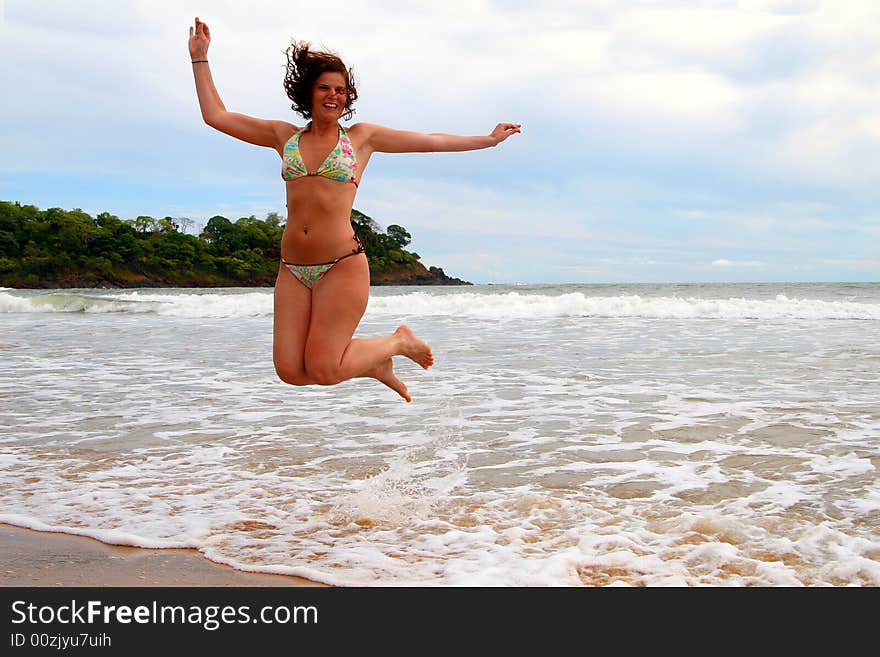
point(323, 278)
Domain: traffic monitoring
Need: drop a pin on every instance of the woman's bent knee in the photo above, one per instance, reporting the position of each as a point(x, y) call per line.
point(292, 376)
point(323, 374)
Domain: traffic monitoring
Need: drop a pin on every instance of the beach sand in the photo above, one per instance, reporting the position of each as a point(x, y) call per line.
point(32, 558)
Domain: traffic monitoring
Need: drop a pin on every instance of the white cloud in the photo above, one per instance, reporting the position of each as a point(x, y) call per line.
point(661, 96)
point(736, 263)
point(693, 30)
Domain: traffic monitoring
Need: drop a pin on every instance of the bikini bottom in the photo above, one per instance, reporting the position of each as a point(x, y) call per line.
point(309, 275)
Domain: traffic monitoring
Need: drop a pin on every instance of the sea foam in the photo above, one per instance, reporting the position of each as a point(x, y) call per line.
point(511, 305)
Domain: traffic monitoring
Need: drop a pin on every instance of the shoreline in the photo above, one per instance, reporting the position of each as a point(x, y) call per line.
point(31, 558)
point(80, 284)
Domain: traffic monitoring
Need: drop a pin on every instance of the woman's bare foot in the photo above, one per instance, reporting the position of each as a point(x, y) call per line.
point(384, 373)
point(413, 348)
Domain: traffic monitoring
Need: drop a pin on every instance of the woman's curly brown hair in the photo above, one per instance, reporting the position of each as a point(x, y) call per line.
point(304, 66)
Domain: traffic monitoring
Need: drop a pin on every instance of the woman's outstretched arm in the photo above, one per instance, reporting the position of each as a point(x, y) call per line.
point(386, 140)
point(261, 132)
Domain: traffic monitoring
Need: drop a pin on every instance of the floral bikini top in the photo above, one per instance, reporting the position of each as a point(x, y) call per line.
point(340, 164)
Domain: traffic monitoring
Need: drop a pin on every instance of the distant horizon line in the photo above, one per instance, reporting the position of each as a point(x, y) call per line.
point(695, 283)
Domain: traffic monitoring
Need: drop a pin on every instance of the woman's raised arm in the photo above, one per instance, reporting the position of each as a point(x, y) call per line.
point(261, 132)
point(386, 140)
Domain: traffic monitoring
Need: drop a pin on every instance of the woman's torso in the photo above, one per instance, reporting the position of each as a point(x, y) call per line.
point(319, 208)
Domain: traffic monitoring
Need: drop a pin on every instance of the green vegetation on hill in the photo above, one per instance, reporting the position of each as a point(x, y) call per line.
point(61, 248)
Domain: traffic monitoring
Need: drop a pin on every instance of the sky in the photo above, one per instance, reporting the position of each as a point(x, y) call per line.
point(662, 141)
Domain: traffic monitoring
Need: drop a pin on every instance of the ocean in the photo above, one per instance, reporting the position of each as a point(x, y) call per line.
point(568, 435)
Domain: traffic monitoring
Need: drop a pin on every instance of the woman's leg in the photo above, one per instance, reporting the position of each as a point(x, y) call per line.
point(339, 300)
point(293, 302)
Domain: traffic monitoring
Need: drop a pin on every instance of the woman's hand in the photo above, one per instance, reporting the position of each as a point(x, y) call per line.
point(199, 40)
point(503, 130)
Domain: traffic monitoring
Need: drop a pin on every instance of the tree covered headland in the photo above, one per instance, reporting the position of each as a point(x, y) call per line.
point(69, 248)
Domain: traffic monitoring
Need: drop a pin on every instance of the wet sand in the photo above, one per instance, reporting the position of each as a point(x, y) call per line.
point(32, 558)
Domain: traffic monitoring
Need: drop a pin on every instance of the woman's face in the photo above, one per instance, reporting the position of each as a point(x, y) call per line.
point(329, 96)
